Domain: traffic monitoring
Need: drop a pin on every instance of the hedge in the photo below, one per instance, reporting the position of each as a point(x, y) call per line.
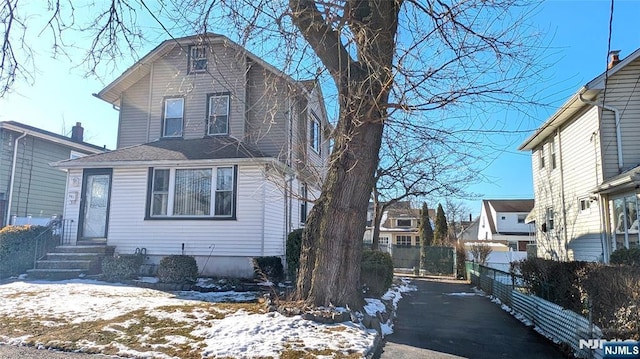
point(18, 246)
point(178, 269)
point(376, 273)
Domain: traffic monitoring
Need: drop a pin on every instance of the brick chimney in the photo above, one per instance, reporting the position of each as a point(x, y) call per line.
point(77, 132)
point(614, 58)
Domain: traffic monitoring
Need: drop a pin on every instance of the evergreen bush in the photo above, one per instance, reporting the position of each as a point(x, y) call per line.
point(376, 273)
point(178, 269)
point(18, 247)
point(269, 267)
point(294, 246)
point(626, 256)
point(122, 267)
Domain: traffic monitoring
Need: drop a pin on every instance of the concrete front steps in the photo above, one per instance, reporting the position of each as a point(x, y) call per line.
point(68, 262)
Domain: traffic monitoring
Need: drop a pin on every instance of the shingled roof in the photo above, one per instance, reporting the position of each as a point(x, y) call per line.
point(511, 205)
point(173, 150)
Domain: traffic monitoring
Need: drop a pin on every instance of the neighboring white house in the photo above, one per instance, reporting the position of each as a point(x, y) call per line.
point(218, 154)
point(586, 170)
point(503, 220)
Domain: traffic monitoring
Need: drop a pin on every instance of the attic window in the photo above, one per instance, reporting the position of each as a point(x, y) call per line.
point(197, 58)
point(403, 223)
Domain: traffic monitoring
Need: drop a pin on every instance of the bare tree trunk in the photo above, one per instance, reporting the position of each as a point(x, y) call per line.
point(332, 242)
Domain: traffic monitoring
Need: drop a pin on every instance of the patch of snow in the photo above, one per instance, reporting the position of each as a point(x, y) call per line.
point(147, 280)
point(462, 294)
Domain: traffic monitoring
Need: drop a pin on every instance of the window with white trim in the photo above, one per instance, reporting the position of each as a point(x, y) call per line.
point(403, 241)
point(584, 205)
point(315, 137)
point(403, 222)
point(197, 59)
point(192, 192)
point(541, 156)
point(172, 117)
point(550, 217)
point(218, 115)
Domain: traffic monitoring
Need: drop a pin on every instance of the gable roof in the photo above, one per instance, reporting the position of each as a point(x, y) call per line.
point(511, 205)
point(170, 151)
point(50, 136)
point(574, 104)
point(505, 206)
point(111, 93)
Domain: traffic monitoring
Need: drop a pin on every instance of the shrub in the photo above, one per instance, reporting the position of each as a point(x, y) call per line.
point(626, 256)
point(270, 267)
point(558, 282)
point(18, 246)
point(122, 267)
point(615, 294)
point(480, 253)
point(294, 246)
point(178, 269)
point(376, 272)
point(461, 257)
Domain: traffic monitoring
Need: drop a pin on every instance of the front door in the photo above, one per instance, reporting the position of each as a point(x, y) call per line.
point(94, 208)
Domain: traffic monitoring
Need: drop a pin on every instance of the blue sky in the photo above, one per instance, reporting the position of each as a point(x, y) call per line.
point(577, 36)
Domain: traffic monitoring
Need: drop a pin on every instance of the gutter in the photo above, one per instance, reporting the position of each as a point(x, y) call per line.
point(616, 114)
point(13, 175)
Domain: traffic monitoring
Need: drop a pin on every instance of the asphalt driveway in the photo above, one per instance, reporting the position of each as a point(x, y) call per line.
point(443, 319)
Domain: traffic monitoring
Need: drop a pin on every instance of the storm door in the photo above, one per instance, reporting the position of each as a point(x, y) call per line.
point(94, 208)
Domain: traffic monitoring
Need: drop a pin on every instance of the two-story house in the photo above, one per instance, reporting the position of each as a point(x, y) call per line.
point(31, 191)
point(399, 226)
point(504, 221)
point(586, 172)
point(219, 157)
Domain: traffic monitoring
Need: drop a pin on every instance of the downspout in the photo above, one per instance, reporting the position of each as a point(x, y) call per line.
point(604, 242)
point(13, 175)
point(562, 195)
point(616, 114)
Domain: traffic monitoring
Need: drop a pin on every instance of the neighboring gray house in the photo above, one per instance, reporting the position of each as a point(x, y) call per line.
point(219, 157)
point(586, 171)
point(29, 187)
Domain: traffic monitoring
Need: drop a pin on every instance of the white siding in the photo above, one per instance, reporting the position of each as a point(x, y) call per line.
point(577, 151)
point(72, 202)
point(623, 93)
point(129, 230)
point(510, 223)
point(274, 217)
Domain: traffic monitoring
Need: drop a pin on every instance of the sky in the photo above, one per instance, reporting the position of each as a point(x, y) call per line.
point(576, 34)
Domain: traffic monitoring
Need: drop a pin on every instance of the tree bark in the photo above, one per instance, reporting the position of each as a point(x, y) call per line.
point(332, 242)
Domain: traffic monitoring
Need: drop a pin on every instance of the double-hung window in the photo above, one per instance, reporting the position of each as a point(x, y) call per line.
point(314, 133)
point(172, 119)
point(192, 192)
point(218, 115)
point(197, 59)
point(550, 218)
point(541, 156)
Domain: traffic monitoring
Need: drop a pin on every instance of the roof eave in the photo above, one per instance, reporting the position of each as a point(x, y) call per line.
point(71, 164)
point(562, 115)
point(92, 149)
point(573, 105)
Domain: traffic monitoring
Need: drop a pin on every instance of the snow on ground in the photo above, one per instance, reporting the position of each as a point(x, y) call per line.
point(239, 334)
